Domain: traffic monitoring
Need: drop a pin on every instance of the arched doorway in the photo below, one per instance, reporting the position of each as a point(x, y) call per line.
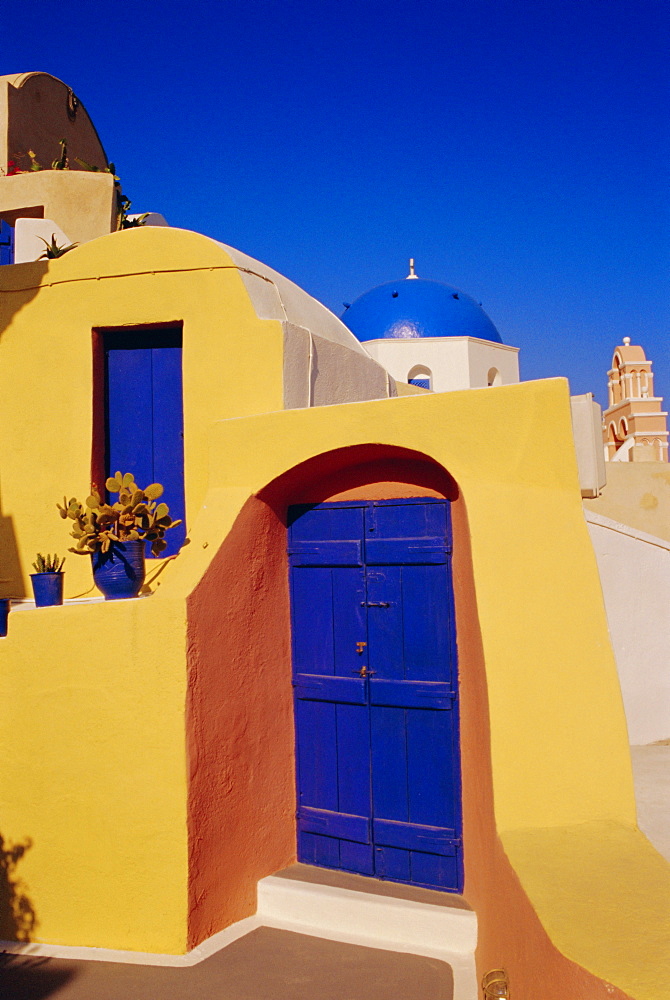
point(376, 688)
point(242, 788)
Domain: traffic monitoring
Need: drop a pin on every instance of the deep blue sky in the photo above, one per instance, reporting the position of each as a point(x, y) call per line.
point(518, 149)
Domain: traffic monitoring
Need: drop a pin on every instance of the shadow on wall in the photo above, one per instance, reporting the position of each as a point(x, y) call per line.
point(16, 293)
point(11, 580)
point(17, 914)
point(22, 977)
point(11, 577)
point(14, 296)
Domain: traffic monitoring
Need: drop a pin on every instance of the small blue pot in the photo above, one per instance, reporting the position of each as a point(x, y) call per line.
point(48, 589)
point(120, 572)
point(4, 612)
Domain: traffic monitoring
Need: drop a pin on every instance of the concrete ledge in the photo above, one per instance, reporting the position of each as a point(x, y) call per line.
point(381, 921)
point(209, 947)
point(625, 529)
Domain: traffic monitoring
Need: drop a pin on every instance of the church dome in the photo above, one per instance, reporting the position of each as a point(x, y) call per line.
point(413, 308)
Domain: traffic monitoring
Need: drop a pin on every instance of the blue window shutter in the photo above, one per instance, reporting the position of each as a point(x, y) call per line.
point(144, 415)
point(6, 243)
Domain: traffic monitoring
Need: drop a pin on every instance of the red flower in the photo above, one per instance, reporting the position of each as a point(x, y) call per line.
point(12, 168)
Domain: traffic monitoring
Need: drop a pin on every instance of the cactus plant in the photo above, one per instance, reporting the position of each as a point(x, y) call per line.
point(136, 516)
point(53, 249)
point(48, 563)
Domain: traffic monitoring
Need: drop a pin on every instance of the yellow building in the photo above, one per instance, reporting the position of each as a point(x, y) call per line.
point(149, 744)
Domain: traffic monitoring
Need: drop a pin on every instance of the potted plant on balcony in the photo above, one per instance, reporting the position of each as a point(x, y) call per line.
point(47, 580)
point(114, 535)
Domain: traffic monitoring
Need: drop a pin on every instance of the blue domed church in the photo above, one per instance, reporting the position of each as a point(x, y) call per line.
point(431, 335)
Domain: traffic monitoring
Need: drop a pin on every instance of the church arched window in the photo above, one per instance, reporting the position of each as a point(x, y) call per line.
point(421, 376)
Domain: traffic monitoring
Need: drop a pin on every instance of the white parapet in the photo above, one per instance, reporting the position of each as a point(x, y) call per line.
point(31, 237)
point(150, 218)
point(635, 576)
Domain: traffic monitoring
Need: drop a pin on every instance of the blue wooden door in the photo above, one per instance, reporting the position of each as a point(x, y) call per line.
point(144, 415)
point(374, 660)
point(6, 243)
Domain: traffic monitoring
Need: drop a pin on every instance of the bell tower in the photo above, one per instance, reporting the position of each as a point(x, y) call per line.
point(634, 424)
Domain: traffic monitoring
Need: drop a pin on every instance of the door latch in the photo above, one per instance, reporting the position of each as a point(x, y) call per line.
point(360, 646)
point(364, 672)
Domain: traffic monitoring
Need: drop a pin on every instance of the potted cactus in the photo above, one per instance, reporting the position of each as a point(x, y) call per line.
point(114, 535)
point(47, 580)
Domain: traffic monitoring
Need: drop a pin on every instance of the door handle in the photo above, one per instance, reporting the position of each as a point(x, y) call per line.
point(364, 672)
point(375, 604)
point(360, 646)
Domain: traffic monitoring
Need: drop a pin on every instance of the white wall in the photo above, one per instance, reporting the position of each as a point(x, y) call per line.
point(455, 362)
point(29, 236)
point(635, 576)
point(483, 355)
point(587, 419)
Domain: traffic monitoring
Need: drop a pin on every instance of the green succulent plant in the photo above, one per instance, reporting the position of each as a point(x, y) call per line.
point(34, 163)
point(54, 249)
point(61, 162)
point(48, 563)
point(136, 516)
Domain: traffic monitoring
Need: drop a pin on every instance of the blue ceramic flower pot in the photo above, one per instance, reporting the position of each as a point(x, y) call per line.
point(48, 589)
point(120, 572)
point(4, 612)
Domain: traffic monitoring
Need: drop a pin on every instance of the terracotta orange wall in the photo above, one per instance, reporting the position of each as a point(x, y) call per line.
point(240, 738)
point(510, 935)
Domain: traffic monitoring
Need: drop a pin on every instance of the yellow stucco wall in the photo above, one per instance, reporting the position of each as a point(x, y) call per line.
point(232, 366)
point(93, 730)
point(602, 894)
point(93, 771)
point(553, 677)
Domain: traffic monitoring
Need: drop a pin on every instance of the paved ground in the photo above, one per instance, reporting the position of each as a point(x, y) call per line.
point(267, 964)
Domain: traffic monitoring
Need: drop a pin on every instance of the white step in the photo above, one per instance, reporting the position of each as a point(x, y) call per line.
point(389, 922)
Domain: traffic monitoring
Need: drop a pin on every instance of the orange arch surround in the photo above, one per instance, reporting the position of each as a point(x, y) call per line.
point(376, 470)
point(240, 737)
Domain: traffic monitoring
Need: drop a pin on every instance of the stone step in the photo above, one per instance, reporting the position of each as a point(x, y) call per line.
point(358, 910)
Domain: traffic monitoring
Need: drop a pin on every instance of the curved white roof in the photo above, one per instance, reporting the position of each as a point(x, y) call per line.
point(276, 297)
